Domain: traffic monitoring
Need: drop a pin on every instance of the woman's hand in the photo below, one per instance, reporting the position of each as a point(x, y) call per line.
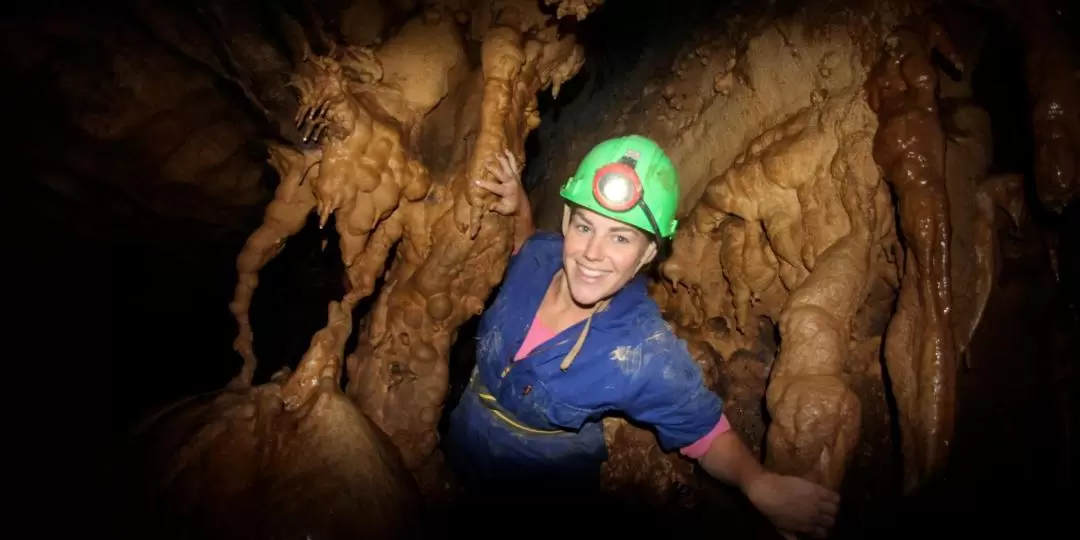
point(794, 505)
point(508, 187)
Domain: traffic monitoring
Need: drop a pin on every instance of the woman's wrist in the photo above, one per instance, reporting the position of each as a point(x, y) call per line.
point(729, 460)
point(523, 224)
point(751, 476)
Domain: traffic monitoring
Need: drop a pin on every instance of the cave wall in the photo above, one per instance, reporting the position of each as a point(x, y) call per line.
point(628, 45)
point(692, 74)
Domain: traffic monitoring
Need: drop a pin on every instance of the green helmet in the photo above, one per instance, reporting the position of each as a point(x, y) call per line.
point(631, 180)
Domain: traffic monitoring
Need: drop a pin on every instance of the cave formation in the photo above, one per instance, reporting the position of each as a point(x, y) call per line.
point(273, 200)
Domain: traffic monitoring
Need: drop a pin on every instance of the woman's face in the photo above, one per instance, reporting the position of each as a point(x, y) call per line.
point(601, 255)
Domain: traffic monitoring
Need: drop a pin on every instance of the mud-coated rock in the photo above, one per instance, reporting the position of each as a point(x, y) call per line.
point(237, 465)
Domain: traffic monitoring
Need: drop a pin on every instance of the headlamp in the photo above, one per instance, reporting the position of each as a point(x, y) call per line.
point(617, 187)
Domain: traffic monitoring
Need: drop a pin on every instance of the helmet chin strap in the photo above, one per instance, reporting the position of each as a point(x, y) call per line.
point(661, 245)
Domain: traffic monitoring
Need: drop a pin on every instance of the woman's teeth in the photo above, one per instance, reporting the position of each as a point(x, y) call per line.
point(591, 274)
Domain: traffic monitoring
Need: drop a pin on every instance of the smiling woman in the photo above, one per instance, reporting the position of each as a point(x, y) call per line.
point(573, 336)
point(601, 255)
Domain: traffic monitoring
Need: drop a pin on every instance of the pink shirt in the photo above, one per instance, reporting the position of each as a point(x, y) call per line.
point(538, 334)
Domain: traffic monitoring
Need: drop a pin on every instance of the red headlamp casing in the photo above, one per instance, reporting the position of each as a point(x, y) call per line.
point(617, 187)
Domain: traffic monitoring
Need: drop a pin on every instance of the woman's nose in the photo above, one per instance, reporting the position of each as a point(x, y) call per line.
point(594, 249)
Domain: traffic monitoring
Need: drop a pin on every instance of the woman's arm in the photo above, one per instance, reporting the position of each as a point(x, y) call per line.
point(673, 397)
point(729, 460)
point(524, 227)
point(792, 504)
point(512, 198)
point(724, 456)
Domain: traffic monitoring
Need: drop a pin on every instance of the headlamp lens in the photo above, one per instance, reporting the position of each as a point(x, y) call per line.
point(616, 189)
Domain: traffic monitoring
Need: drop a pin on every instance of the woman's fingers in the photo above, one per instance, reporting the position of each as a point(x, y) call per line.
point(507, 172)
point(494, 187)
point(512, 160)
point(504, 168)
point(504, 207)
point(828, 506)
point(826, 520)
point(505, 204)
point(498, 172)
point(829, 495)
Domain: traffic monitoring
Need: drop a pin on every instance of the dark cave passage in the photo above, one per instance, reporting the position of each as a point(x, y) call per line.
point(998, 86)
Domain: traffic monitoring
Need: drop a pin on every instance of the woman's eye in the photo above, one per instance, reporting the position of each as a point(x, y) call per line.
point(583, 229)
point(622, 240)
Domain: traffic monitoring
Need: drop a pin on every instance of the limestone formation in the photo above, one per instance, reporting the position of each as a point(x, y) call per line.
point(292, 458)
point(374, 116)
point(1053, 79)
point(910, 147)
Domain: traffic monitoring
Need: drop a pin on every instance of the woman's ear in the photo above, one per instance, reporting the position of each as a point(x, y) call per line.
point(565, 219)
point(648, 256)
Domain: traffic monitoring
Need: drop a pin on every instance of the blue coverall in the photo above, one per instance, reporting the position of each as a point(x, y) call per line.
point(529, 423)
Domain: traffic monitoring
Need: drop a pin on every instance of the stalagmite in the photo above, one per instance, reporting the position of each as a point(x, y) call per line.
point(816, 417)
point(292, 458)
point(285, 216)
point(974, 201)
point(1053, 80)
point(910, 148)
point(1004, 192)
point(968, 154)
point(800, 166)
point(352, 103)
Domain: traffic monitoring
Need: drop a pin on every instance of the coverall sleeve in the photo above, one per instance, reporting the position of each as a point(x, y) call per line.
point(669, 393)
point(534, 245)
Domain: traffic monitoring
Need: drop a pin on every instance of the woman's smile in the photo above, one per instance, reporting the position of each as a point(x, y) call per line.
point(590, 275)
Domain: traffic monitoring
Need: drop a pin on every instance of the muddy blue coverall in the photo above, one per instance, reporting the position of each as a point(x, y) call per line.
point(529, 423)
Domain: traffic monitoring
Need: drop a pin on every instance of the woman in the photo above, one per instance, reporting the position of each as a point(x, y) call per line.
point(573, 336)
